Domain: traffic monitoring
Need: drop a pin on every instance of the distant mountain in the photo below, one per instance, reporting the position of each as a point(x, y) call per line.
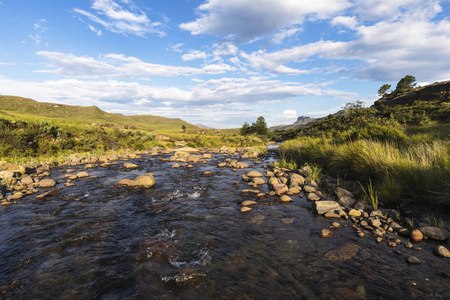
point(301, 121)
point(92, 115)
point(199, 125)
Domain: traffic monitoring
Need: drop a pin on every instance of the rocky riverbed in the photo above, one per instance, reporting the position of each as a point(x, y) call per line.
point(212, 223)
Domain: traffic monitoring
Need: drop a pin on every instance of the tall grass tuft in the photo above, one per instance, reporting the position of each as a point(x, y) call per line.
point(370, 195)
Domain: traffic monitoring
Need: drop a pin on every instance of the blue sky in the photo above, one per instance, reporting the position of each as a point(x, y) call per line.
point(219, 62)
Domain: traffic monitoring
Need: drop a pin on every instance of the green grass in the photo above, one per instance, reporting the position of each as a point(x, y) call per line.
point(370, 195)
point(417, 171)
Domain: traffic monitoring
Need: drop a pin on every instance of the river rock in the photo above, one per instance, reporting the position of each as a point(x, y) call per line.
point(354, 213)
point(280, 188)
point(5, 166)
point(322, 207)
point(434, 233)
point(82, 175)
point(269, 174)
point(124, 182)
point(45, 183)
point(293, 190)
point(6, 175)
point(285, 198)
point(143, 181)
point(331, 214)
point(52, 192)
point(130, 166)
point(441, 251)
point(207, 155)
point(15, 196)
point(258, 180)
point(194, 158)
point(248, 203)
point(208, 174)
point(242, 165)
point(346, 201)
point(313, 197)
point(413, 260)
point(27, 180)
point(250, 191)
point(416, 235)
point(181, 156)
point(340, 192)
point(404, 232)
point(345, 252)
point(359, 205)
point(297, 179)
point(326, 233)
point(273, 181)
point(253, 174)
point(310, 188)
point(245, 209)
point(375, 222)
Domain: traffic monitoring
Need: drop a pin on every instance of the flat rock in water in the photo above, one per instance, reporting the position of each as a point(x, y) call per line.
point(82, 175)
point(143, 181)
point(310, 188)
point(253, 174)
point(245, 209)
point(280, 188)
point(285, 198)
point(250, 191)
point(124, 182)
point(434, 233)
point(45, 183)
point(248, 203)
point(15, 196)
point(27, 180)
point(345, 252)
point(297, 179)
point(130, 166)
point(322, 207)
point(258, 180)
point(313, 197)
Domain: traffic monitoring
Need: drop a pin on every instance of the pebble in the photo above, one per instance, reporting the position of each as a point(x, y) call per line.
point(248, 203)
point(335, 225)
point(285, 198)
point(392, 244)
point(379, 239)
point(408, 245)
point(245, 209)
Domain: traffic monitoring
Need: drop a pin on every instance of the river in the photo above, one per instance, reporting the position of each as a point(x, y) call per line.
point(185, 238)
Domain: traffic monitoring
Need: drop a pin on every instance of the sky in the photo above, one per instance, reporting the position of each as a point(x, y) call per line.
point(219, 62)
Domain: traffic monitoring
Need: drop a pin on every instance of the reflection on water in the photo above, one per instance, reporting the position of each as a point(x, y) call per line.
point(186, 238)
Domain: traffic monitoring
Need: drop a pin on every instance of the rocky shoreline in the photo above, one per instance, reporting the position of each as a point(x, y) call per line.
point(343, 208)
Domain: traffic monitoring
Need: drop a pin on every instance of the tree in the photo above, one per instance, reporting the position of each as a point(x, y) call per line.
point(245, 129)
point(406, 84)
point(384, 90)
point(358, 104)
point(183, 127)
point(260, 127)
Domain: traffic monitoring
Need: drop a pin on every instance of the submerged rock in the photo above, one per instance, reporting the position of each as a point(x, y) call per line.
point(343, 253)
point(143, 181)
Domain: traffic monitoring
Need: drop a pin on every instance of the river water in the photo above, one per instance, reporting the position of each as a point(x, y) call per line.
point(186, 238)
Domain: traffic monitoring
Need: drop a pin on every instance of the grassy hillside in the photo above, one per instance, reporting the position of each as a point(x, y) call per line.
point(28, 109)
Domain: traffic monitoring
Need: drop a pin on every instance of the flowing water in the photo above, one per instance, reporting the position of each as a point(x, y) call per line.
point(186, 238)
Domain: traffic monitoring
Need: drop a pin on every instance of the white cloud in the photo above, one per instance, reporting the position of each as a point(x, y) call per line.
point(193, 54)
point(285, 33)
point(39, 29)
point(118, 66)
point(243, 21)
point(97, 31)
point(347, 22)
point(125, 18)
point(176, 48)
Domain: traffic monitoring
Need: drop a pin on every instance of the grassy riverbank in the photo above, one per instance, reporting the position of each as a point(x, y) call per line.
point(404, 150)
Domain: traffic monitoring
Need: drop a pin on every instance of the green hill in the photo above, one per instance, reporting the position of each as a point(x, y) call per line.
point(30, 109)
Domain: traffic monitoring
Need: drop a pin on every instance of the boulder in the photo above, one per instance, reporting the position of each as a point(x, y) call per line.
point(354, 213)
point(242, 165)
point(297, 179)
point(269, 174)
point(15, 196)
point(143, 181)
point(124, 182)
point(434, 233)
point(6, 175)
point(5, 166)
point(46, 183)
point(340, 192)
point(322, 207)
point(273, 181)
